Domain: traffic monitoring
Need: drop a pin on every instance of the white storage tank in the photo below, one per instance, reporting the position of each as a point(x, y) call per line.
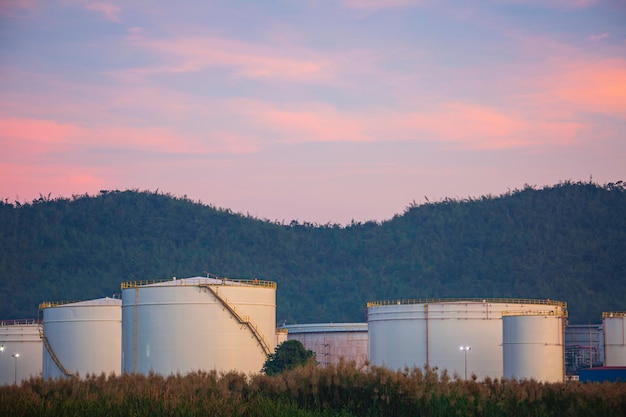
point(81, 338)
point(332, 341)
point(614, 327)
point(419, 333)
point(20, 351)
point(532, 346)
point(185, 325)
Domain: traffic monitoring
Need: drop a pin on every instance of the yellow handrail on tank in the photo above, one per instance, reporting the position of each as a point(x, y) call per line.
point(557, 313)
point(613, 314)
point(186, 281)
point(549, 302)
point(100, 302)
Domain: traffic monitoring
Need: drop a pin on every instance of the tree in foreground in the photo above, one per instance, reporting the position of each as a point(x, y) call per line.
point(288, 355)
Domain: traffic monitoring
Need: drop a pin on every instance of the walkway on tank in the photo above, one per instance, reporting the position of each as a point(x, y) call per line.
point(199, 281)
point(548, 302)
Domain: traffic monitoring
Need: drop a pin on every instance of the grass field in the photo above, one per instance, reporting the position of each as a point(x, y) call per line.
point(343, 390)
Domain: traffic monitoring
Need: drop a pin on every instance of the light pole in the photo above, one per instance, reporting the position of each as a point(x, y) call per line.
point(465, 349)
point(15, 355)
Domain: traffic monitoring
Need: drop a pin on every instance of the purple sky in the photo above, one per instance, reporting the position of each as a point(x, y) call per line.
point(320, 111)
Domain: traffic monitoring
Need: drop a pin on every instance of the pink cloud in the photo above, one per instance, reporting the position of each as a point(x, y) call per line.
point(6, 6)
point(560, 4)
point(596, 38)
point(26, 181)
point(588, 86)
point(244, 59)
point(374, 5)
point(31, 138)
point(28, 139)
point(468, 125)
point(110, 11)
point(309, 123)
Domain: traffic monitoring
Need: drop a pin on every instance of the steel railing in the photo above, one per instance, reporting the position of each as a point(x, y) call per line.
point(200, 281)
point(549, 302)
point(18, 322)
point(97, 302)
point(613, 314)
point(558, 313)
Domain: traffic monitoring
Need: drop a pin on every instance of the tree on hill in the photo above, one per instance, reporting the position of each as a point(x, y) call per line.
point(288, 355)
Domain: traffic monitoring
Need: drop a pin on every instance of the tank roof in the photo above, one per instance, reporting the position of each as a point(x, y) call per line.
point(191, 281)
point(325, 327)
point(106, 301)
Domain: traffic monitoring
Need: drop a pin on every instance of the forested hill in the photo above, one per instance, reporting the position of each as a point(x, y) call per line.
point(565, 242)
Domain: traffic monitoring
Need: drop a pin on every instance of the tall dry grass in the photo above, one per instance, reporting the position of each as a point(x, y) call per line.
point(343, 390)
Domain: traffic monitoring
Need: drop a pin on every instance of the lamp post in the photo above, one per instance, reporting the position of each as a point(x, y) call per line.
point(15, 355)
point(1, 348)
point(465, 349)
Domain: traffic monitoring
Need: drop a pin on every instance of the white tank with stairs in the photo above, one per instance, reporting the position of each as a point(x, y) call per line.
point(197, 324)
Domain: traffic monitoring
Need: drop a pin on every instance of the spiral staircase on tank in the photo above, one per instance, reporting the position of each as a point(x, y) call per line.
point(244, 320)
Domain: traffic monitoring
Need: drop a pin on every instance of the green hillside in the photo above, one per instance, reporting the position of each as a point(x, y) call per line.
point(565, 242)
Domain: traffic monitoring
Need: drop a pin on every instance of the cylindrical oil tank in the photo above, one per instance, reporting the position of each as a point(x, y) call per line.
point(20, 351)
point(332, 342)
point(532, 346)
point(430, 333)
point(197, 324)
point(614, 328)
point(281, 336)
point(81, 338)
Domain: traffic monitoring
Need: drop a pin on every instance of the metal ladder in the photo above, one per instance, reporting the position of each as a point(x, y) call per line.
point(245, 320)
point(53, 355)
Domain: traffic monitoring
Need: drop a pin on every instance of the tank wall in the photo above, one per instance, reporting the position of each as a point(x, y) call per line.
point(614, 341)
point(446, 336)
point(22, 339)
point(281, 337)
point(533, 347)
point(85, 338)
point(184, 328)
point(332, 346)
point(397, 336)
point(431, 334)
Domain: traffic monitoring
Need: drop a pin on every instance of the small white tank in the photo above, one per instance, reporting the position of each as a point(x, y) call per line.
point(197, 323)
point(20, 351)
point(614, 327)
point(532, 346)
point(281, 336)
point(82, 338)
point(332, 342)
point(418, 333)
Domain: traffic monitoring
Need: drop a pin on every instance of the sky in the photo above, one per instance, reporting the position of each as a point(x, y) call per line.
point(321, 111)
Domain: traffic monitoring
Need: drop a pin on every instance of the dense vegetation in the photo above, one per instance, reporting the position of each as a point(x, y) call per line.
point(309, 391)
point(288, 355)
point(565, 242)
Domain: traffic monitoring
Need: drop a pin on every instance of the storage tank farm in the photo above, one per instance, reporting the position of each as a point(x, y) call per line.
point(332, 342)
point(533, 345)
point(197, 324)
point(451, 334)
point(614, 328)
point(20, 351)
point(81, 338)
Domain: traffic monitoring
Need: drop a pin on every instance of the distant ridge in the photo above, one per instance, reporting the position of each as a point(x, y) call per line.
point(564, 242)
